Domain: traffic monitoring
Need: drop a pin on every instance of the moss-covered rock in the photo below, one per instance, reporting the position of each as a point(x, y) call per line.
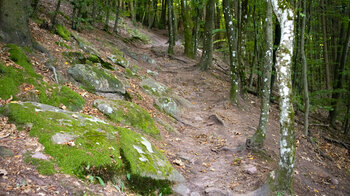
point(144, 160)
point(24, 84)
point(94, 148)
point(95, 79)
point(128, 113)
point(63, 32)
point(85, 45)
point(119, 60)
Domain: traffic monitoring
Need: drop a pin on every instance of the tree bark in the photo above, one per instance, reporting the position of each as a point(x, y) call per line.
point(117, 10)
point(281, 179)
point(197, 4)
point(188, 25)
point(106, 27)
point(304, 63)
point(232, 43)
point(170, 27)
point(14, 22)
point(53, 20)
point(257, 141)
point(207, 54)
point(325, 46)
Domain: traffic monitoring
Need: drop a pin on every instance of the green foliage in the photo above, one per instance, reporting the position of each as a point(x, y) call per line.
point(63, 32)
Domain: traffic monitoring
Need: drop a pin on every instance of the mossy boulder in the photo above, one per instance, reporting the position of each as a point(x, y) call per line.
point(93, 148)
point(119, 60)
point(162, 95)
point(85, 45)
point(23, 83)
point(128, 113)
point(82, 145)
point(96, 79)
point(144, 160)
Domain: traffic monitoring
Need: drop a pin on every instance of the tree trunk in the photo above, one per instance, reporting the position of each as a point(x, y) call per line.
point(188, 25)
point(281, 179)
point(93, 17)
point(133, 11)
point(53, 20)
point(14, 22)
point(207, 54)
point(196, 27)
point(338, 74)
point(35, 5)
point(117, 9)
point(232, 43)
point(106, 27)
point(325, 46)
point(170, 27)
point(163, 14)
point(257, 141)
point(304, 63)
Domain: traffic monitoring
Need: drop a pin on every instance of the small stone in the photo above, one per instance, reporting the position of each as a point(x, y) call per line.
point(197, 118)
point(334, 181)
point(61, 138)
point(5, 152)
point(178, 162)
point(195, 194)
point(40, 155)
point(251, 170)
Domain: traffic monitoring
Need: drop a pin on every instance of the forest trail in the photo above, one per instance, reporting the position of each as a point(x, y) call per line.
point(208, 144)
point(209, 148)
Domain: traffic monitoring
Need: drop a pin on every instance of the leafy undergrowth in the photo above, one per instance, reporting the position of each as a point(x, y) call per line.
point(25, 84)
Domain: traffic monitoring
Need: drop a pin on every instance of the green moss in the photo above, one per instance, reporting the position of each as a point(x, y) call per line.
point(96, 147)
point(139, 170)
point(63, 32)
point(93, 58)
point(131, 114)
point(18, 56)
point(44, 167)
point(62, 44)
point(129, 73)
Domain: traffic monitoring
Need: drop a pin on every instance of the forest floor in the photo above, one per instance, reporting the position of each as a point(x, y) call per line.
point(208, 146)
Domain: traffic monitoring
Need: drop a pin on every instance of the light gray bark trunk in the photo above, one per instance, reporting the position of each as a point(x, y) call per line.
point(232, 43)
point(257, 141)
point(281, 179)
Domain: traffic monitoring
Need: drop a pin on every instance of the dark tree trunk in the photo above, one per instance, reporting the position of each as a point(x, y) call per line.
point(170, 27)
point(53, 20)
point(115, 29)
point(35, 5)
point(14, 22)
point(207, 54)
point(107, 15)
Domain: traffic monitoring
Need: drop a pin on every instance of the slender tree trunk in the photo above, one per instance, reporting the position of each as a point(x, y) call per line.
point(255, 52)
point(196, 27)
point(188, 25)
point(304, 63)
point(257, 141)
point(281, 179)
point(232, 42)
point(117, 10)
point(207, 54)
point(93, 13)
point(133, 11)
point(53, 20)
point(325, 46)
point(106, 27)
point(163, 14)
point(170, 27)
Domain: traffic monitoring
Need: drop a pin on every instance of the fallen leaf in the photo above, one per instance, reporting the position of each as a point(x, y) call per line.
point(3, 172)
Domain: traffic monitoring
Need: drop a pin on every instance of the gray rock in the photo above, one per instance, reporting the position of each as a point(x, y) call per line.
point(119, 60)
point(250, 169)
point(96, 79)
point(5, 152)
point(61, 138)
point(40, 155)
point(112, 96)
point(152, 73)
point(181, 189)
point(168, 105)
point(153, 87)
point(85, 45)
point(148, 59)
point(334, 181)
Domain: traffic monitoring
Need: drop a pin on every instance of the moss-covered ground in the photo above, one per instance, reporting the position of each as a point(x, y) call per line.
point(133, 115)
point(63, 32)
point(11, 79)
